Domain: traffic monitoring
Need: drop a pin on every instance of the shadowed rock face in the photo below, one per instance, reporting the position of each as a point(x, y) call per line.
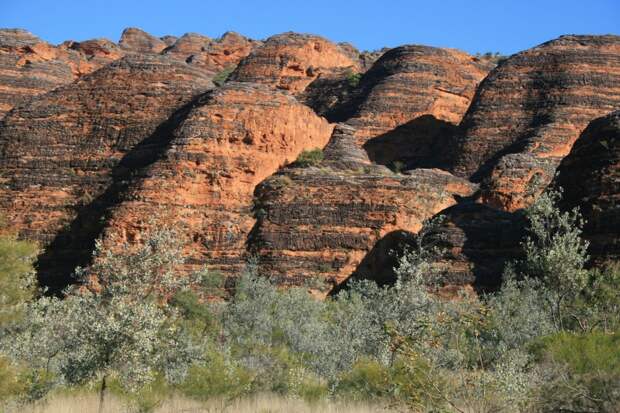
point(478, 242)
point(106, 140)
point(291, 61)
point(60, 153)
point(321, 221)
point(590, 178)
point(230, 140)
point(529, 111)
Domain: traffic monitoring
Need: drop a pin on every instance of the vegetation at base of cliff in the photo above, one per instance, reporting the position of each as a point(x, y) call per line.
point(547, 341)
point(312, 157)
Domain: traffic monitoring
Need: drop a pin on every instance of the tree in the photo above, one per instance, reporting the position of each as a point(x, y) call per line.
point(17, 285)
point(118, 323)
point(555, 253)
point(17, 282)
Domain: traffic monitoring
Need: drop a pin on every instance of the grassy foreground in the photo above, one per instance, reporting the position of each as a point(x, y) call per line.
point(88, 402)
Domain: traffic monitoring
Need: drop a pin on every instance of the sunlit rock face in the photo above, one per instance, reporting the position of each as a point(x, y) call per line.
point(30, 66)
point(229, 141)
point(291, 61)
point(320, 221)
point(212, 55)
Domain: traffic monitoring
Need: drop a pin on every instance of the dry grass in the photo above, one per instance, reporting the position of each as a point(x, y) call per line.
point(88, 403)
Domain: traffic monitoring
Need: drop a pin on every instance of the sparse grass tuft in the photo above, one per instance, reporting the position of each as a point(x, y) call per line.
point(312, 157)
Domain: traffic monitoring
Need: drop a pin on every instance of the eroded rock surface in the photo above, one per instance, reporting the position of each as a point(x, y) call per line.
point(320, 221)
point(213, 55)
point(530, 110)
point(60, 153)
point(412, 81)
point(29, 66)
point(590, 178)
point(138, 41)
point(231, 139)
point(291, 61)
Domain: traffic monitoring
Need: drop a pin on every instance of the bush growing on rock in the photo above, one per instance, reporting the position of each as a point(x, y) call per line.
point(312, 157)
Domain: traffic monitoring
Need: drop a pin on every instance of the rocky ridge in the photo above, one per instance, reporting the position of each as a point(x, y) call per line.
point(107, 140)
point(60, 153)
point(530, 110)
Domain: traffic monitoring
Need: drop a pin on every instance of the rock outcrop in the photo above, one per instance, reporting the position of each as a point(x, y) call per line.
point(60, 153)
point(230, 140)
point(138, 41)
point(530, 110)
point(97, 53)
point(320, 221)
point(291, 61)
point(30, 66)
point(212, 55)
point(105, 140)
point(412, 81)
point(477, 242)
point(590, 178)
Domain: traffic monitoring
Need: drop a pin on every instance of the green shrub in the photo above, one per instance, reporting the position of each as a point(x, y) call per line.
point(10, 385)
point(217, 377)
point(222, 76)
point(398, 166)
point(307, 158)
point(17, 281)
point(366, 380)
point(353, 79)
point(584, 371)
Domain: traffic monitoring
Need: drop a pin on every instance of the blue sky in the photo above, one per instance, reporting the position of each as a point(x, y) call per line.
point(505, 26)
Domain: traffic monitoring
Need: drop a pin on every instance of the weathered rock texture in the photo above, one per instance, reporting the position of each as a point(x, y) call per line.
point(30, 66)
point(212, 55)
point(139, 41)
point(590, 178)
point(97, 53)
point(231, 139)
point(60, 153)
point(104, 140)
point(412, 81)
point(529, 111)
point(291, 61)
point(477, 240)
point(321, 221)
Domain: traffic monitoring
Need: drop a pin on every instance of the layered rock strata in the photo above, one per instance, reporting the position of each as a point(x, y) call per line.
point(60, 153)
point(231, 139)
point(530, 110)
point(291, 61)
point(320, 221)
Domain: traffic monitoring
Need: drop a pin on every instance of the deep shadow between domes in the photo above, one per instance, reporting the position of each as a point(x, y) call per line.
point(478, 241)
point(73, 245)
point(423, 142)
